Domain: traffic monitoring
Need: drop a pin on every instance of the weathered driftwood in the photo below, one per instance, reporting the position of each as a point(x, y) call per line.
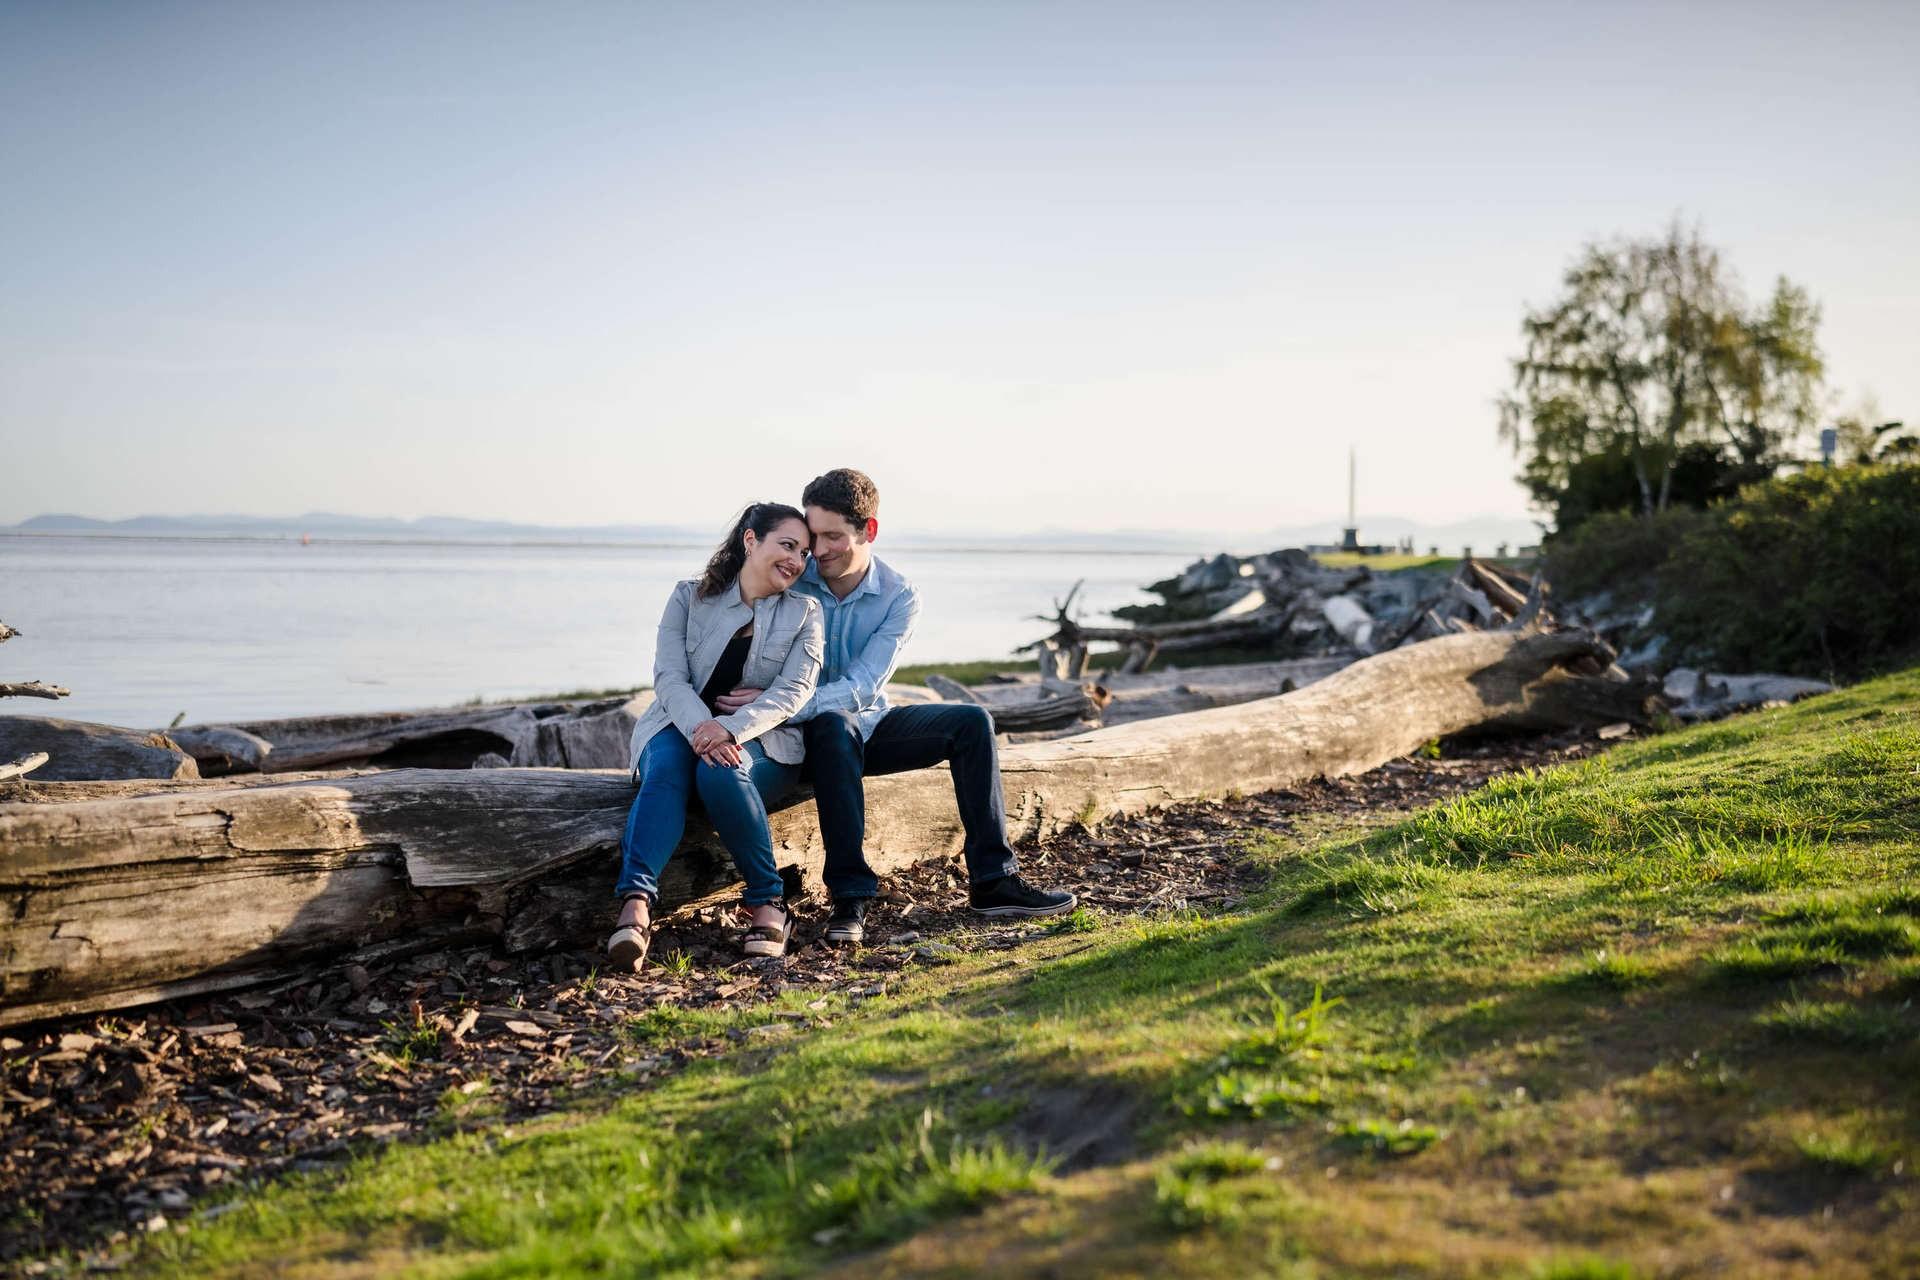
point(34, 791)
point(952, 690)
point(82, 751)
point(1147, 695)
point(1063, 654)
point(118, 901)
point(552, 734)
point(23, 766)
point(1289, 603)
point(1495, 588)
point(1048, 705)
point(222, 749)
point(33, 689)
point(32, 760)
point(1350, 621)
point(1702, 695)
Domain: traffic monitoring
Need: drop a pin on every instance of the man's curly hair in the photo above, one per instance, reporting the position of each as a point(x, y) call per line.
point(845, 492)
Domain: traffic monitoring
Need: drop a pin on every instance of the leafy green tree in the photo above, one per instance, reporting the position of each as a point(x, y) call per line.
point(1651, 360)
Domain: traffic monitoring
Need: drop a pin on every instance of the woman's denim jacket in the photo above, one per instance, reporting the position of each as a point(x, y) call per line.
point(789, 638)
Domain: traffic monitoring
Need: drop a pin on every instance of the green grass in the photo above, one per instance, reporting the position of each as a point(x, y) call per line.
point(1389, 561)
point(1612, 972)
point(408, 1043)
point(1847, 1153)
point(1836, 1022)
point(1078, 920)
point(915, 1176)
point(1585, 1269)
point(1384, 1137)
point(1537, 1030)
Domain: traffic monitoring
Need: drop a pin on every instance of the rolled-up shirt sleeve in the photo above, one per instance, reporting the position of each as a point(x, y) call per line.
point(867, 674)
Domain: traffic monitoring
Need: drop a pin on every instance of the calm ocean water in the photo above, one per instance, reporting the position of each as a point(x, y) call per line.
point(143, 629)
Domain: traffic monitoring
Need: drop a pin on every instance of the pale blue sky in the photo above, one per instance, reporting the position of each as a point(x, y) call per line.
point(1042, 264)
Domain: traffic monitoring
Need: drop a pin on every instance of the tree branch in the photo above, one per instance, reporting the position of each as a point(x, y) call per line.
point(24, 765)
point(33, 689)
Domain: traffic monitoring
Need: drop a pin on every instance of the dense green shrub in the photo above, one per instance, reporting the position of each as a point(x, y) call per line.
point(1816, 573)
point(1618, 551)
point(1813, 574)
point(1604, 483)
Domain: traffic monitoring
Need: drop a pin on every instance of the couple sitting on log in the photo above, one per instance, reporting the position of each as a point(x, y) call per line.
point(771, 667)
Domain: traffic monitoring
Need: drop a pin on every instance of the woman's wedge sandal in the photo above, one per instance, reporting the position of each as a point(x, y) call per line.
point(768, 940)
point(627, 948)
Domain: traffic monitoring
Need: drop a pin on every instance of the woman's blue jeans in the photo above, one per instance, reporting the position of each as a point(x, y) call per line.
point(736, 802)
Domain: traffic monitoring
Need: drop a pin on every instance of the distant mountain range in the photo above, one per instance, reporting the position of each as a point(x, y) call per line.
point(329, 524)
point(1482, 532)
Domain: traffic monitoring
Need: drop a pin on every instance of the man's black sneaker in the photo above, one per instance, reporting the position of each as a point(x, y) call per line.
point(1012, 896)
point(848, 921)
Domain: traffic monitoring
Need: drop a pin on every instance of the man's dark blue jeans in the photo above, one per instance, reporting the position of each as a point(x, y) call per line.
point(906, 738)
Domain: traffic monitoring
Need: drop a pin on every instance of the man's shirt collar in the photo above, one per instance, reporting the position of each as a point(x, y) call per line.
point(870, 585)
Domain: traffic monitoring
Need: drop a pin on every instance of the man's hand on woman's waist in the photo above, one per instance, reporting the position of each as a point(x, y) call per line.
point(728, 703)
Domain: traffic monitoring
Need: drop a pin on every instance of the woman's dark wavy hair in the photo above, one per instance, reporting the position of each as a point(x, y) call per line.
point(763, 518)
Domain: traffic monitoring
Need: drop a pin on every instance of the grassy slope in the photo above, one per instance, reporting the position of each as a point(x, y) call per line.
point(1647, 1015)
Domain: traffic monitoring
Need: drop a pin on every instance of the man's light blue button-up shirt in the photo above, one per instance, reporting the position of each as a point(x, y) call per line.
point(865, 634)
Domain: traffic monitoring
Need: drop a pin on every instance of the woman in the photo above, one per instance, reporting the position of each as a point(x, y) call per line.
point(737, 625)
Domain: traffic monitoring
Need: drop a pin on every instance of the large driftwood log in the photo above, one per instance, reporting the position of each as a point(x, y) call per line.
point(1048, 705)
point(81, 750)
point(1146, 695)
point(34, 791)
point(536, 734)
point(117, 901)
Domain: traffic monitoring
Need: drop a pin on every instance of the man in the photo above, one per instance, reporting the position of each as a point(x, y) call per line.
point(852, 733)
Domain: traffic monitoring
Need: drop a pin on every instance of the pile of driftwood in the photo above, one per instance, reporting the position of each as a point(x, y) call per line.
point(1289, 605)
point(1313, 619)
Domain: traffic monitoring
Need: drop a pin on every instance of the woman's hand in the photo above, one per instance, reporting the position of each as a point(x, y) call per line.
point(724, 756)
point(713, 742)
